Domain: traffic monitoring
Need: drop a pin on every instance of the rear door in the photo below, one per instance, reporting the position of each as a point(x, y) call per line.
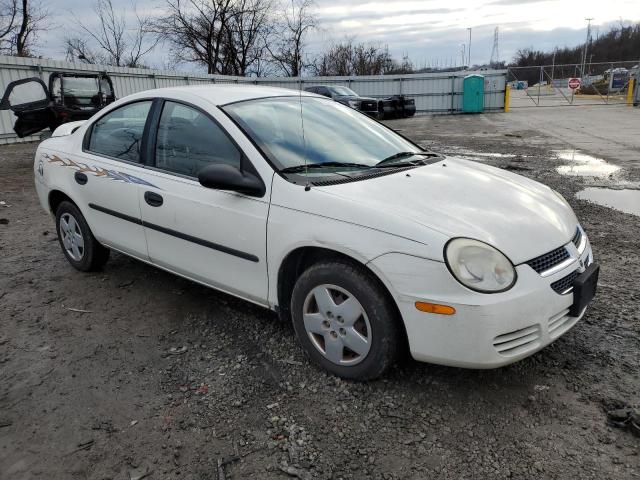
point(110, 173)
point(29, 100)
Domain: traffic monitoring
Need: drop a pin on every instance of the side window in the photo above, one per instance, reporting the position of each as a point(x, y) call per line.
point(119, 133)
point(188, 140)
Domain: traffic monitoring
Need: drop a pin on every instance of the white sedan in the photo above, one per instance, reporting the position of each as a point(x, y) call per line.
point(366, 242)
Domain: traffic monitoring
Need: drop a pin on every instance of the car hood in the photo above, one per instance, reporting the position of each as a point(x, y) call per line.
point(460, 198)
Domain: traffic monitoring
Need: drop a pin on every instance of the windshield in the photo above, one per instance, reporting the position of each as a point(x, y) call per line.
point(333, 133)
point(343, 91)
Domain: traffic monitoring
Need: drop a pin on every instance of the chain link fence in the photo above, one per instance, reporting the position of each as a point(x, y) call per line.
point(603, 83)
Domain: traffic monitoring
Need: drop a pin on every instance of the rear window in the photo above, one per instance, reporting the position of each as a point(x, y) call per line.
point(80, 90)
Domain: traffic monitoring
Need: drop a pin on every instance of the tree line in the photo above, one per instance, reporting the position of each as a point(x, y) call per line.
point(622, 42)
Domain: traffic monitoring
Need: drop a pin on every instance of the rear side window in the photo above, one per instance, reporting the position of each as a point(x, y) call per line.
point(189, 140)
point(119, 133)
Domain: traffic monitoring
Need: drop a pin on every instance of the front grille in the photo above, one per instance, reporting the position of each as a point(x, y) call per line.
point(577, 238)
point(549, 260)
point(369, 105)
point(564, 284)
point(518, 341)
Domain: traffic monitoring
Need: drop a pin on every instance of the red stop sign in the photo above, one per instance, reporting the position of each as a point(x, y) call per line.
point(574, 83)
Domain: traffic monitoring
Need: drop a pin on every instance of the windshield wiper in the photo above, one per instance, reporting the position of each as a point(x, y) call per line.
point(391, 160)
point(311, 166)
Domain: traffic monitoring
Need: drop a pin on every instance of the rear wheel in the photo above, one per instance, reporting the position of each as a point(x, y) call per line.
point(344, 320)
point(78, 244)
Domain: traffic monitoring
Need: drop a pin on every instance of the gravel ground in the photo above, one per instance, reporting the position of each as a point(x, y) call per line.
point(132, 371)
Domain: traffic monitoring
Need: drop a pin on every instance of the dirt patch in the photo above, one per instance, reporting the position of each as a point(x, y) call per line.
point(131, 371)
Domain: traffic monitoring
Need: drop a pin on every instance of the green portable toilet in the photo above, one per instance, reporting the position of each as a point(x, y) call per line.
point(473, 94)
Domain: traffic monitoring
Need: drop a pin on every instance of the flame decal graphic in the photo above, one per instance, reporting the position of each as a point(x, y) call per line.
point(97, 171)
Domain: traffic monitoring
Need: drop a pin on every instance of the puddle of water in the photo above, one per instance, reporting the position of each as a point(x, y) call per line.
point(627, 201)
point(583, 165)
point(477, 156)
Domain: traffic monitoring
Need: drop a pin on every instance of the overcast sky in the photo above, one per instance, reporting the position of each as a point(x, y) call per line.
point(428, 31)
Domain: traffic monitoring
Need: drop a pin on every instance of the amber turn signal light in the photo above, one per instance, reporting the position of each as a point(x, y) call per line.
point(435, 308)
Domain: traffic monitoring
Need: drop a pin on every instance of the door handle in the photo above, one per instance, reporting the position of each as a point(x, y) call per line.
point(80, 177)
point(153, 199)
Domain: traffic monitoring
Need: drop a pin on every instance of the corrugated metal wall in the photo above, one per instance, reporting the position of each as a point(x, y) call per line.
point(433, 92)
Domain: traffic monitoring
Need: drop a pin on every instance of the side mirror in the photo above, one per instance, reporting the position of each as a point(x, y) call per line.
point(227, 177)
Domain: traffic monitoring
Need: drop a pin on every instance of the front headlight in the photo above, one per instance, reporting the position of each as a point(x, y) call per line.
point(354, 103)
point(479, 266)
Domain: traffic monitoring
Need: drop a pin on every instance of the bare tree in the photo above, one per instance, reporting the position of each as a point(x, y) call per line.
point(247, 36)
point(20, 23)
point(8, 19)
point(287, 51)
point(78, 49)
point(116, 43)
point(347, 58)
point(225, 36)
point(195, 30)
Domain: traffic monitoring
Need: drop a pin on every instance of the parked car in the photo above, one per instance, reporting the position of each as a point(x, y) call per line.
point(348, 97)
point(366, 242)
point(396, 106)
point(69, 97)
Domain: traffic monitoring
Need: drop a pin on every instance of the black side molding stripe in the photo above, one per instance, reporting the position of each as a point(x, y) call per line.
point(116, 214)
point(204, 243)
point(174, 233)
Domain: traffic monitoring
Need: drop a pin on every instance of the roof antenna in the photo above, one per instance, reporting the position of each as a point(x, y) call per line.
point(307, 187)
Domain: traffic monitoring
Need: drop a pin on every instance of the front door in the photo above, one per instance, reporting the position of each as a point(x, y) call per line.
point(211, 236)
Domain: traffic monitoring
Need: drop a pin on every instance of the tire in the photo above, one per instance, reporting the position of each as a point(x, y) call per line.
point(84, 252)
point(323, 334)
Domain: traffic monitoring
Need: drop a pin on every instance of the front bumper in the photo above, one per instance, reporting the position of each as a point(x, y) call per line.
point(487, 330)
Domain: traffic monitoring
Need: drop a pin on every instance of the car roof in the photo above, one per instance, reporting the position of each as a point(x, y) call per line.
point(222, 94)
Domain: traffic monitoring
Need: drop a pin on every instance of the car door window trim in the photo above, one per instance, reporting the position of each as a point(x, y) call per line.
point(174, 233)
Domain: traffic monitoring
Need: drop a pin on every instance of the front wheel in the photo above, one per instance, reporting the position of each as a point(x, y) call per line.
point(344, 320)
point(78, 244)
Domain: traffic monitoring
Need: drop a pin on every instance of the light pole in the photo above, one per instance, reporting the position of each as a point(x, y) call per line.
point(586, 45)
point(469, 63)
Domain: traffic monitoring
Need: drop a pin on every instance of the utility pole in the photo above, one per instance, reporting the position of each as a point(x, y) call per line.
point(586, 45)
point(469, 64)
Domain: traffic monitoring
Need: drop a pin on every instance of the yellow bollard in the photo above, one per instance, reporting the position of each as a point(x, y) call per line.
point(507, 97)
point(630, 91)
